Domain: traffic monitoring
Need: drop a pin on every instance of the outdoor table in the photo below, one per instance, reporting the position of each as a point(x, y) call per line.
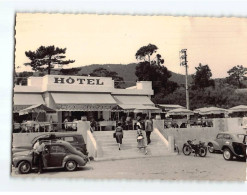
point(106, 124)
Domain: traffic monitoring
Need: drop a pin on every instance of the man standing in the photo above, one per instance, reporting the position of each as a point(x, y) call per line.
point(148, 129)
point(38, 148)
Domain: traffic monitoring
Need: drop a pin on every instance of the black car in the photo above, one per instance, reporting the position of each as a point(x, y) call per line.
point(57, 154)
point(235, 146)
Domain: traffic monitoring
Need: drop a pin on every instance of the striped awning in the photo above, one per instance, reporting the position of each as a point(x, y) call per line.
point(83, 102)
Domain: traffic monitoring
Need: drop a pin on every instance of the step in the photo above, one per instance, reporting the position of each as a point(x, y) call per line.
point(129, 148)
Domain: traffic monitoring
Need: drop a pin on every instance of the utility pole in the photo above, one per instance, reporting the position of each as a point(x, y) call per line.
point(183, 62)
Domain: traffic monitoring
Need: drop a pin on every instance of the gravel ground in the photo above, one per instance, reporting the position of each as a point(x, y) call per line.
point(178, 167)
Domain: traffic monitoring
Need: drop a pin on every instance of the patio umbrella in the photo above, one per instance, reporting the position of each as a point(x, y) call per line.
point(240, 108)
point(36, 109)
point(180, 112)
point(210, 110)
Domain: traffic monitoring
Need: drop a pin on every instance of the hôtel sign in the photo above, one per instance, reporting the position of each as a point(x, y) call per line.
point(80, 81)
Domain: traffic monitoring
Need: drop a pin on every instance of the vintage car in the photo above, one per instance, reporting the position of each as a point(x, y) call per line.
point(75, 139)
point(230, 143)
point(235, 147)
point(57, 154)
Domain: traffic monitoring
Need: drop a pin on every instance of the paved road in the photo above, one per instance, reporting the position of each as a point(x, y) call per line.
point(178, 167)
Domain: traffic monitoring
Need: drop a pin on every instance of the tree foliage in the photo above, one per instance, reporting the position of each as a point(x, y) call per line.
point(45, 58)
point(153, 70)
point(69, 71)
point(202, 77)
point(237, 75)
point(222, 95)
point(21, 78)
point(102, 72)
point(146, 52)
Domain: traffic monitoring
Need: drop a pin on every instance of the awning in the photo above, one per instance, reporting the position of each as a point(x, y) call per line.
point(83, 102)
point(240, 108)
point(22, 101)
point(136, 103)
point(180, 112)
point(210, 110)
point(36, 108)
point(133, 100)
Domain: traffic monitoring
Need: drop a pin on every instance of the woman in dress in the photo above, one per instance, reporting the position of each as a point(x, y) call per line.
point(141, 143)
point(119, 135)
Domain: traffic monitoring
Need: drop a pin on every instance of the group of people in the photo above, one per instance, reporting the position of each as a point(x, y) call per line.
point(144, 130)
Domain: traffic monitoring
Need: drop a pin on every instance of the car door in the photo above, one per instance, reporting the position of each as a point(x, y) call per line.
point(56, 156)
point(219, 140)
point(226, 139)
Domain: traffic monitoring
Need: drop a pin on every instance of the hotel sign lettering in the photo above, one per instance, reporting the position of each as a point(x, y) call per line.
point(80, 81)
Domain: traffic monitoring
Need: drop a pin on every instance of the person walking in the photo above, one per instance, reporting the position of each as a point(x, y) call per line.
point(140, 136)
point(119, 134)
point(148, 129)
point(38, 149)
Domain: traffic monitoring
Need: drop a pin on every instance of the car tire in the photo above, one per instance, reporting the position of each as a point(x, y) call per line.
point(227, 154)
point(70, 165)
point(24, 167)
point(211, 148)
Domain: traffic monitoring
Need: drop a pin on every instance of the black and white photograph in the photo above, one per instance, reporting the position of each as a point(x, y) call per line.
point(129, 97)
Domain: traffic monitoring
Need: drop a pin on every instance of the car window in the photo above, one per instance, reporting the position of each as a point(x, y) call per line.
point(57, 149)
point(69, 139)
point(219, 136)
point(241, 136)
point(227, 136)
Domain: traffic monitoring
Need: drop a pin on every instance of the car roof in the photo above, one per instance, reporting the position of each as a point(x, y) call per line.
point(232, 132)
point(46, 135)
point(56, 142)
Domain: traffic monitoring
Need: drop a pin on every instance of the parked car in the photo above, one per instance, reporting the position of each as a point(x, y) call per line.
point(57, 154)
point(235, 147)
point(75, 139)
point(230, 143)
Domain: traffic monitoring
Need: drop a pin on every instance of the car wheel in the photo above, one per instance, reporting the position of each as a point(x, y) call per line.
point(211, 148)
point(70, 165)
point(24, 167)
point(227, 154)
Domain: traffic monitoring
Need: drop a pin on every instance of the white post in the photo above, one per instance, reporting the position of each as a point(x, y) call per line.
point(171, 143)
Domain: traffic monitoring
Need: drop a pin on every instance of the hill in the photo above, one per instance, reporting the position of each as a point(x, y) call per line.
point(128, 72)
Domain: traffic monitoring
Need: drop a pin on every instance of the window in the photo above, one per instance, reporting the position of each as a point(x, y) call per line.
point(57, 149)
point(69, 139)
point(241, 136)
point(227, 136)
point(219, 136)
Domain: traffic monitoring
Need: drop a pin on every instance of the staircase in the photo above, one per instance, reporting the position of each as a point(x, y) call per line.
point(109, 147)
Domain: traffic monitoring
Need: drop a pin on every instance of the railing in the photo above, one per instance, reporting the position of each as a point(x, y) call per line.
point(35, 127)
point(184, 123)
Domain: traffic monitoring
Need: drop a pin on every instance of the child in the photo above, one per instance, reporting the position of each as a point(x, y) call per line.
point(140, 137)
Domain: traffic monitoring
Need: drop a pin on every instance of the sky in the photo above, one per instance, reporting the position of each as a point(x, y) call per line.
point(220, 43)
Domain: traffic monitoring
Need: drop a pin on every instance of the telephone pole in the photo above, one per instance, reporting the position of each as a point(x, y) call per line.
point(183, 62)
